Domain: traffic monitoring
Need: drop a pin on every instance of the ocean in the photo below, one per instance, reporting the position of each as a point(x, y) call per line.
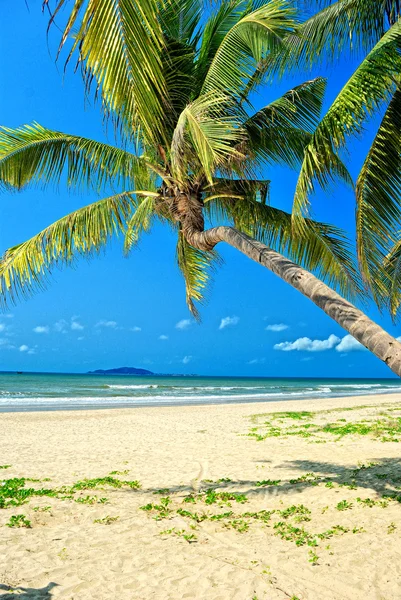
point(43, 391)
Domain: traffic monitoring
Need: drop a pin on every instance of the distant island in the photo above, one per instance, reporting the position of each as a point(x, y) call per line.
point(121, 371)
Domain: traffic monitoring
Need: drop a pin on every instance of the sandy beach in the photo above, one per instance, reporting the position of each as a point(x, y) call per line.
point(235, 502)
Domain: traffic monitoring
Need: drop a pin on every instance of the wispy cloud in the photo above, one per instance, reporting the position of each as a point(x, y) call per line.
point(41, 329)
point(277, 327)
point(61, 326)
point(184, 324)
point(186, 359)
point(2, 327)
point(76, 325)
point(163, 337)
point(5, 344)
point(256, 361)
point(305, 344)
point(109, 324)
point(136, 329)
point(228, 322)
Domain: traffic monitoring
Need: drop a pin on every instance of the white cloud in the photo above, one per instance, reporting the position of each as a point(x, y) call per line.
point(2, 327)
point(163, 337)
point(60, 326)
point(136, 329)
point(41, 329)
point(186, 359)
point(110, 324)
point(184, 324)
point(305, 344)
point(76, 326)
point(228, 321)
point(256, 361)
point(348, 344)
point(7, 316)
point(27, 349)
point(80, 339)
point(5, 344)
point(277, 327)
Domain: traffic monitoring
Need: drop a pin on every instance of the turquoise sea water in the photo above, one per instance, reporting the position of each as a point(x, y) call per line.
point(27, 392)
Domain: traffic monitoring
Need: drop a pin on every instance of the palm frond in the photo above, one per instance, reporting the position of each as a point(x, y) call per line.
point(280, 131)
point(217, 26)
point(205, 137)
point(26, 267)
point(195, 266)
point(379, 202)
point(33, 154)
point(323, 249)
point(391, 283)
point(141, 221)
point(119, 45)
point(352, 26)
point(372, 84)
point(246, 44)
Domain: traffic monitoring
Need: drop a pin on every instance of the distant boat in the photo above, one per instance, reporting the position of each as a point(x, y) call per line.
point(19, 372)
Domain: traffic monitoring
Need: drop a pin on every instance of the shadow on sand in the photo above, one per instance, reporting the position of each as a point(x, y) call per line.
point(8, 592)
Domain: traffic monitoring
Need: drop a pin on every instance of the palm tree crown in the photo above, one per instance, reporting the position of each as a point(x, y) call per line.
point(178, 89)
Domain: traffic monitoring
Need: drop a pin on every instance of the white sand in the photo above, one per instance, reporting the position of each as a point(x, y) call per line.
point(175, 448)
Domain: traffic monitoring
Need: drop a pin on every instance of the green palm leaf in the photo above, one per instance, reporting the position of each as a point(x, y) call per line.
point(195, 266)
point(245, 45)
point(34, 154)
point(205, 138)
point(114, 38)
point(370, 86)
point(281, 131)
point(379, 203)
point(141, 221)
point(25, 267)
point(390, 275)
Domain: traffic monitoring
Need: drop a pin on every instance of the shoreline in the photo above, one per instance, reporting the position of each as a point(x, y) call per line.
point(59, 406)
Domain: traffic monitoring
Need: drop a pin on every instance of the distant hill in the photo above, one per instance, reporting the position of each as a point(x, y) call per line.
point(121, 371)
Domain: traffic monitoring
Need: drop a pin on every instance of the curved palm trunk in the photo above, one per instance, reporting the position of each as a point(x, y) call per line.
point(363, 329)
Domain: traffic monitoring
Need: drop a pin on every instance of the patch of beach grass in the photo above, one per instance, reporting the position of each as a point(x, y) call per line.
point(19, 521)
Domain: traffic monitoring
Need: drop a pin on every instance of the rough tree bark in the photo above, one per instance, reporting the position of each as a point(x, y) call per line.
point(353, 320)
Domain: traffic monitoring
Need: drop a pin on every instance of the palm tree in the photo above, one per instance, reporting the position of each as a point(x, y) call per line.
point(371, 28)
point(178, 91)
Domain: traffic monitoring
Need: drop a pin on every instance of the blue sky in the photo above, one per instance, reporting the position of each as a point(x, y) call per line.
point(113, 311)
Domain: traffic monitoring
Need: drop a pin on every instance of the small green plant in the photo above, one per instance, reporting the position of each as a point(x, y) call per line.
point(266, 482)
point(19, 521)
point(391, 528)
point(313, 557)
point(5, 466)
point(300, 513)
point(239, 525)
point(86, 500)
point(344, 505)
point(191, 515)
point(106, 520)
point(119, 472)
point(100, 482)
point(358, 530)
point(42, 508)
point(63, 554)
